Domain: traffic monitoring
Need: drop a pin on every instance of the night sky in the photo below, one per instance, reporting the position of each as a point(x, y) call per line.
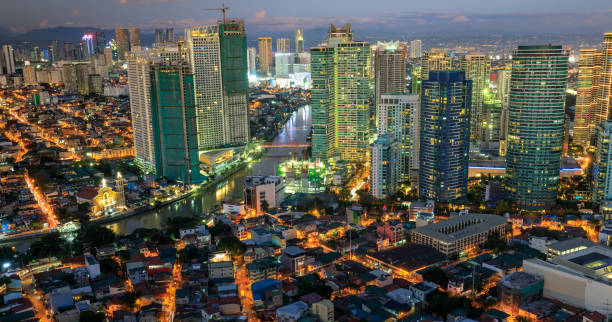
point(563, 16)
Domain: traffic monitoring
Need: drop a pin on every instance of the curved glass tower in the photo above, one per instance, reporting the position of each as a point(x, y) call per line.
point(535, 129)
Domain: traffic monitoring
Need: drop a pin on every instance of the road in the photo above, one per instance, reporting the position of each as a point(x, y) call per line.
point(244, 289)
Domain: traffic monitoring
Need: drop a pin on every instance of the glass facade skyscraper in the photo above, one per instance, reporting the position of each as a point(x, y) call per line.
point(174, 123)
point(587, 115)
point(217, 54)
point(602, 167)
point(446, 99)
point(535, 129)
point(477, 68)
point(340, 94)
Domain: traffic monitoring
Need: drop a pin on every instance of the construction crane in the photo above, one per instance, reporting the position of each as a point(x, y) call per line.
point(222, 9)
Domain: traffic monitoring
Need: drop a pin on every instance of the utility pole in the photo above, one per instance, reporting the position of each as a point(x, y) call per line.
point(223, 9)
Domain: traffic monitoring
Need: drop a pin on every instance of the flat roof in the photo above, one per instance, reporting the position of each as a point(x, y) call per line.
point(570, 244)
point(592, 260)
point(520, 280)
point(455, 228)
point(409, 256)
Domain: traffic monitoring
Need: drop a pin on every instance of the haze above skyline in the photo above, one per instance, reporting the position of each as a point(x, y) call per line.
point(561, 16)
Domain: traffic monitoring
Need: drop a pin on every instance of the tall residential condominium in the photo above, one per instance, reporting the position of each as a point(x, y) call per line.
point(100, 42)
point(173, 116)
point(340, 93)
point(218, 57)
point(602, 163)
point(389, 69)
point(383, 166)
point(265, 55)
point(139, 76)
point(134, 37)
point(535, 128)
point(170, 34)
point(68, 51)
point(492, 112)
point(503, 93)
point(399, 115)
point(587, 116)
point(432, 61)
point(123, 42)
point(605, 91)
point(299, 40)
point(477, 68)
point(282, 65)
point(445, 136)
point(252, 61)
point(415, 48)
point(159, 36)
point(283, 45)
point(9, 59)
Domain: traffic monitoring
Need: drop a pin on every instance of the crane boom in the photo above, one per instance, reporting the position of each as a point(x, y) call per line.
point(223, 9)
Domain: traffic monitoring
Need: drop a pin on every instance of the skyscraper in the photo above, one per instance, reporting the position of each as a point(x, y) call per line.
point(587, 115)
point(602, 163)
point(383, 166)
point(399, 115)
point(9, 59)
point(252, 61)
point(282, 65)
point(283, 45)
point(265, 55)
point(445, 133)
point(170, 34)
point(535, 129)
point(605, 91)
point(477, 68)
point(100, 43)
point(134, 37)
point(159, 36)
point(70, 78)
point(491, 117)
point(434, 61)
point(123, 42)
point(299, 41)
point(389, 69)
point(68, 51)
point(340, 111)
point(415, 48)
point(55, 52)
point(139, 76)
point(218, 57)
point(503, 93)
point(174, 123)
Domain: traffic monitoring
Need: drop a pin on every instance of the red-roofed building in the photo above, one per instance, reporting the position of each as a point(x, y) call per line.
point(87, 194)
point(593, 317)
point(155, 266)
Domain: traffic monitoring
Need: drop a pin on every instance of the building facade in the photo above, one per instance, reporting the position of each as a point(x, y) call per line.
point(134, 37)
point(122, 39)
point(605, 90)
point(263, 192)
point(384, 166)
point(389, 69)
point(477, 68)
point(602, 167)
point(445, 133)
point(174, 123)
point(535, 129)
point(400, 115)
point(265, 55)
point(299, 40)
point(217, 55)
point(415, 48)
point(587, 115)
point(340, 95)
point(283, 45)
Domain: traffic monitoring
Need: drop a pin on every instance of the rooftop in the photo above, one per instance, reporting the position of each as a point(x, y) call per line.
point(570, 244)
point(459, 227)
point(410, 256)
point(520, 280)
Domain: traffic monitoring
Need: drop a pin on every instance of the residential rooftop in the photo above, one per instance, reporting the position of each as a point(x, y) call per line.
point(459, 227)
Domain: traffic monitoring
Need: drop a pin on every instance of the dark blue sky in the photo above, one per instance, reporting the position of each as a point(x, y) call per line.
point(577, 16)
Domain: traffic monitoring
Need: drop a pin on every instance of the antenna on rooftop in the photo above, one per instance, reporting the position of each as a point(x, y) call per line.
point(223, 9)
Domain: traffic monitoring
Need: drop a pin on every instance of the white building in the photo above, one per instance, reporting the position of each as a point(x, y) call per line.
point(139, 76)
point(93, 267)
point(581, 279)
point(415, 48)
point(252, 62)
point(291, 312)
point(8, 59)
point(282, 64)
point(400, 116)
point(384, 166)
point(262, 190)
point(222, 109)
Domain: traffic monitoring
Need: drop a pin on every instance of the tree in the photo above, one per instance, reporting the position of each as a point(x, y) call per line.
point(436, 275)
point(264, 205)
point(232, 245)
point(109, 266)
point(175, 224)
point(220, 229)
point(306, 287)
point(51, 245)
point(89, 316)
point(95, 235)
point(128, 300)
point(495, 243)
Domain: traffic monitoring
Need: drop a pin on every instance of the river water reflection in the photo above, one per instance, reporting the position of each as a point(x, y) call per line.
point(295, 130)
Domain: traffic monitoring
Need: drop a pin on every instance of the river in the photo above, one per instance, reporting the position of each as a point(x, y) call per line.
point(295, 130)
